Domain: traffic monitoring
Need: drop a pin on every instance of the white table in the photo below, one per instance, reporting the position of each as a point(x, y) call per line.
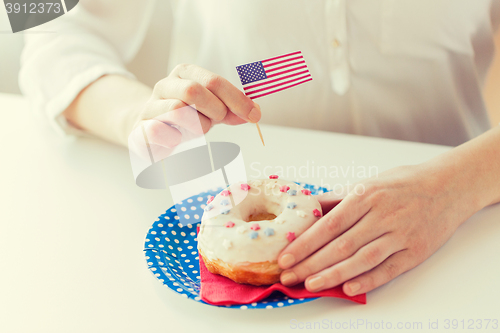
point(73, 223)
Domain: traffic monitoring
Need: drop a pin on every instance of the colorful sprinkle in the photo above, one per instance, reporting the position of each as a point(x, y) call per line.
point(317, 213)
point(227, 243)
point(225, 193)
point(209, 207)
point(254, 234)
point(210, 199)
point(292, 192)
point(269, 232)
point(301, 213)
point(229, 224)
point(284, 188)
point(224, 211)
point(245, 187)
point(273, 177)
point(291, 205)
point(224, 202)
point(241, 229)
point(290, 236)
point(255, 226)
point(306, 192)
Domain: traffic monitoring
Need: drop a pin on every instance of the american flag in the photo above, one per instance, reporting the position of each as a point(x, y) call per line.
point(271, 75)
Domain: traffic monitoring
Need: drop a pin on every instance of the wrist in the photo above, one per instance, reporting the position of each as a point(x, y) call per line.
point(109, 107)
point(129, 119)
point(451, 178)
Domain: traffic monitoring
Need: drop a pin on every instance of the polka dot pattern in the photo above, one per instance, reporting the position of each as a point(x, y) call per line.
point(177, 266)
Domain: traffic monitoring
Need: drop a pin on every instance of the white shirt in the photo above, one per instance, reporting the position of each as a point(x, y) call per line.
point(401, 69)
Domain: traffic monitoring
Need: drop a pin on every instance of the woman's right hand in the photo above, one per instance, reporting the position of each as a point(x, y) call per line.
point(167, 112)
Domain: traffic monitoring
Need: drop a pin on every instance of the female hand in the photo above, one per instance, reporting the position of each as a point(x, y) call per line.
point(167, 112)
point(384, 227)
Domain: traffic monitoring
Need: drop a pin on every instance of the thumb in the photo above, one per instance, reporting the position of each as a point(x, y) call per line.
point(329, 200)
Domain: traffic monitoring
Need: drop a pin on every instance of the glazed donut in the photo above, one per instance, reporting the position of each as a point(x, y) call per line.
point(243, 242)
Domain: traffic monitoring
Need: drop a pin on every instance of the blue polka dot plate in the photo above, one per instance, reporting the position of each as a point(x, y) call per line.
point(172, 255)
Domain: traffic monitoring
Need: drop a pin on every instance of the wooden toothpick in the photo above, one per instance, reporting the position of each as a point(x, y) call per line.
point(260, 133)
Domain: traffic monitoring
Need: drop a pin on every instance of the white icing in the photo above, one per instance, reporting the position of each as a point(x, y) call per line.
point(256, 183)
point(263, 196)
point(271, 185)
point(227, 243)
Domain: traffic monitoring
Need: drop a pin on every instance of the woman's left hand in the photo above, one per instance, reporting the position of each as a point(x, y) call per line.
point(384, 227)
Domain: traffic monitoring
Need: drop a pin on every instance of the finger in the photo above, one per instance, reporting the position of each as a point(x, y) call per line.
point(363, 260)
point(232, 119)
point(170, 111)
point(329, 227)
point(161, 134)
point(195, 123)
point(231, 96)
point(393, 266)
point(160, 107)
point(334, 252)
point(176, 112)
point(192, 93)
point(330, 199)
point(141, 141)
point(188, 118)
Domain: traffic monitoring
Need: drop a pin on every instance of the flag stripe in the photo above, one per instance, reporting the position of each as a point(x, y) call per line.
point(285, 66)
point(290, 70)
point(277, 79)
point(282, 61)
point(273, 80)
point(277, 85)
point(282, 56)
point(273, 91)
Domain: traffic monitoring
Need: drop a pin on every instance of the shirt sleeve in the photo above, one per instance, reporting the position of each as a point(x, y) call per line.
point(62, 57)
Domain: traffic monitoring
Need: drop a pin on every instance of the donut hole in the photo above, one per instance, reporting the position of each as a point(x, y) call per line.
point(266, 212)
point(260, 216)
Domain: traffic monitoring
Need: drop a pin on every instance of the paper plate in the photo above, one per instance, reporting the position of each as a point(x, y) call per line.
point(172, 255)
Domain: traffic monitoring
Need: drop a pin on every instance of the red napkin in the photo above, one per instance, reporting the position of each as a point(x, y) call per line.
point(219, 290)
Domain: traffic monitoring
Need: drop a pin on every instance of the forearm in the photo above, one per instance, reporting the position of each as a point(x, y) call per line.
point(471, 171)
point(109, 107)
point(490, 91)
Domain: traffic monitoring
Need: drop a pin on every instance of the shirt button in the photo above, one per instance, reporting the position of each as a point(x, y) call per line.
point(335, 43)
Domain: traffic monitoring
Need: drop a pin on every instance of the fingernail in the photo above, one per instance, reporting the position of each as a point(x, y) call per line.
point(254, 115)
point(288, 278)
point(316, 283)
point(354, 286)
point(287, 260)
